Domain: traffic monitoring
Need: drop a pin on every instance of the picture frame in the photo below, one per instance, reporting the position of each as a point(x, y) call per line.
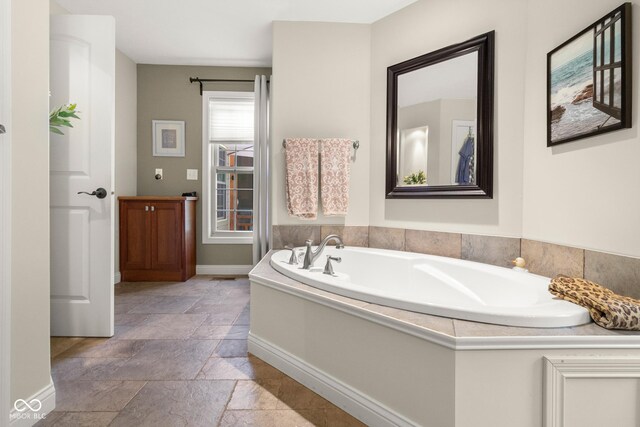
point(168, 138)
point(589, 80)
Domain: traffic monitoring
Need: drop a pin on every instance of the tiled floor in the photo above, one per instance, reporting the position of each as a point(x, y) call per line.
point(179, 358)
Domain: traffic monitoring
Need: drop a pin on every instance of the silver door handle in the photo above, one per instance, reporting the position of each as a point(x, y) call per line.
point(153, 208)
point(2, 130)
point(146, 208)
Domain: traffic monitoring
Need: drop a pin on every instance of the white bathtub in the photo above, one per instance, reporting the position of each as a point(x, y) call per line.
point(440, 286)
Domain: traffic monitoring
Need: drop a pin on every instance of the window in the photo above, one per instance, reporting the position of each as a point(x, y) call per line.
point(228, 155)
point(607, 69)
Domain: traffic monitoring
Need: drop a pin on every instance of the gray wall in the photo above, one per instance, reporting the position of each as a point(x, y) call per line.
point(164, 93)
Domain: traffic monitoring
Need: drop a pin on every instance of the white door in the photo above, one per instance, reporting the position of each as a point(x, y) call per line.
point(83, 73)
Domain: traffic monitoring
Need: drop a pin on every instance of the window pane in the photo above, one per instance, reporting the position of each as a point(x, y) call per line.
point(224, 220)
point(244, 200)
point(237, 180)
point(231, 155)
point(244, 220)
point(607, 46)
point(598, 50)
point(596, 85)
point(605, 82)
point(617, 88)
point(618, 42)
point(235, 220)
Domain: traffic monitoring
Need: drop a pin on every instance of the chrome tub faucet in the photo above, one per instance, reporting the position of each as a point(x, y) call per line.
point(310, 255)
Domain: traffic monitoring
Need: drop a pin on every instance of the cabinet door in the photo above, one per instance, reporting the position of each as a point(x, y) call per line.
point(166, 236)
point(135, 227)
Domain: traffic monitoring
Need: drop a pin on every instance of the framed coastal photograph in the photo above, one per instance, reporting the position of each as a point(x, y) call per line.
point(589, 80)
point(168, 138)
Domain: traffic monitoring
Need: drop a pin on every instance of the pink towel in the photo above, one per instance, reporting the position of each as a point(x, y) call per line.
point(301, 180)
point(335, 160)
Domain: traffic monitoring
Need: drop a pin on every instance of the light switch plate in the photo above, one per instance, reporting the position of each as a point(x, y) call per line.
point(159, 172)
point(192, 174)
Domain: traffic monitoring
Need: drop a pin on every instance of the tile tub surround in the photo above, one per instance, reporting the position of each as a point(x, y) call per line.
point(493, 250)
point(352, 235)
point(387, 238)
point(160, 369)
point(295, 235)
point(549, 260)
point(619, 273)
point(434, 243)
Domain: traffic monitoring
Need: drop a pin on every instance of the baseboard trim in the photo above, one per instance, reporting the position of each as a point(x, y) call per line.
point(27, 418)
point(117, 278)
point(223, 269)
point(361, 406)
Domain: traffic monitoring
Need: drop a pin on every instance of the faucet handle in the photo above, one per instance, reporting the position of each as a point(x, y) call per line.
point(293, 259)
point(328, 268)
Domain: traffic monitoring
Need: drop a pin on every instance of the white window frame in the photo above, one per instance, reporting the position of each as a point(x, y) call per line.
point(210, 236)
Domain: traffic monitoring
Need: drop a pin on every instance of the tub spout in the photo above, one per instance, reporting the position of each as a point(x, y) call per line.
point(310, 255)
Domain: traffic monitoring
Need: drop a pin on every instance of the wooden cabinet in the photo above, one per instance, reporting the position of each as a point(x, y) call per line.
point(157, 238)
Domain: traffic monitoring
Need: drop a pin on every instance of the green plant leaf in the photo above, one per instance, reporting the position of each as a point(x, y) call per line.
point(60, 117)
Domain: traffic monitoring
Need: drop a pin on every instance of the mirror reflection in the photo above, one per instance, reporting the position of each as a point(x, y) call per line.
point(436, 123)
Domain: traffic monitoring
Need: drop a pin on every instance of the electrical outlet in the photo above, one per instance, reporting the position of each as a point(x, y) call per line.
point(158, 174)
point(192, 174)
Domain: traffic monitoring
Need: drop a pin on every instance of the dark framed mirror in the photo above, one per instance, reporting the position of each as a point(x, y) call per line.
point(440, 123)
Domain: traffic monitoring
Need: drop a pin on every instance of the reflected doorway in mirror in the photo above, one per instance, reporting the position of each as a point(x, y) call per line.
point(414, 155)
point(461, 131)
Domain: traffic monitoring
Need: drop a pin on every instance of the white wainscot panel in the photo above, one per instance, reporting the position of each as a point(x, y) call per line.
point(592, 391)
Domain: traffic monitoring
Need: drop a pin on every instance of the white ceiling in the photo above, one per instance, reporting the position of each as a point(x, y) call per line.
point(217, 32)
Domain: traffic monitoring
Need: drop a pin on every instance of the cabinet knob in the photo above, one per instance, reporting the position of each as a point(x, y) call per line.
point(153, 208)
point(146, 208)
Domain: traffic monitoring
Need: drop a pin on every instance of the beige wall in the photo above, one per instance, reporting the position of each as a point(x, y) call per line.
point(321, 89)
point(578, 194)
point(424, 27)
point(583, 193)
point(30, 367)
point(164, 93)
point(126, 134)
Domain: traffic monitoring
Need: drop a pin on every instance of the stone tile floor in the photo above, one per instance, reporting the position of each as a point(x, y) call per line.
point(179, 358)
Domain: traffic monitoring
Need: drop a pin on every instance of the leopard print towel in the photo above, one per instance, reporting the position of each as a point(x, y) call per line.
point(607, 309)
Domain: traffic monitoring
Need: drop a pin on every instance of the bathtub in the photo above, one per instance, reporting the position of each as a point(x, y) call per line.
point(439, 286)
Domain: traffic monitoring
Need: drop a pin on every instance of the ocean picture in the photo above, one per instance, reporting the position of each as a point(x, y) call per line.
point(586, 82)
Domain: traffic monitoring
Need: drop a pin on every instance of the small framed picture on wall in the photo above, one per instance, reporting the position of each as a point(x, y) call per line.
point(168, 138)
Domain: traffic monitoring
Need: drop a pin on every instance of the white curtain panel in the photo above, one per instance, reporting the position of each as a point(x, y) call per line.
point(261, 216)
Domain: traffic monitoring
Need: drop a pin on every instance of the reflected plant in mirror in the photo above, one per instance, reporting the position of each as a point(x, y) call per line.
point(439, 122)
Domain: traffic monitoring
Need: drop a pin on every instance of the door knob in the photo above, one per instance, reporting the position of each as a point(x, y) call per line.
point(100, 193)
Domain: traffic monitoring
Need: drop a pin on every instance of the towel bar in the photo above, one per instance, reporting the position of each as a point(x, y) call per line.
point(356, 144)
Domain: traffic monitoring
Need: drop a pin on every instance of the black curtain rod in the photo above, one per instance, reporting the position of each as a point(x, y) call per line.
point(201, 81)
